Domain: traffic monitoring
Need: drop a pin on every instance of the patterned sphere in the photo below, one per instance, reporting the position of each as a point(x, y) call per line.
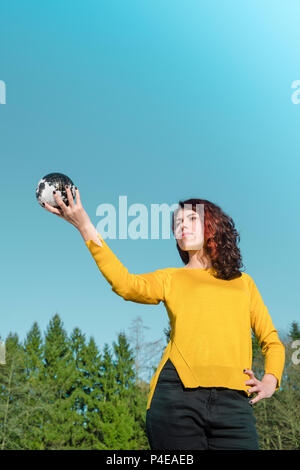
point(54, 182)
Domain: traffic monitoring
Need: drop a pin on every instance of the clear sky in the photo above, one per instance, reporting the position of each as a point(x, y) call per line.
point(158, 101)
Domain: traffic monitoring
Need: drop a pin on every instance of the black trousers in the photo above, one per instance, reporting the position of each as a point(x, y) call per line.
point(199, 418)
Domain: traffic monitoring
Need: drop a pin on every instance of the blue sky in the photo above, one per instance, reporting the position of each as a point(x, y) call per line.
point(158, 101)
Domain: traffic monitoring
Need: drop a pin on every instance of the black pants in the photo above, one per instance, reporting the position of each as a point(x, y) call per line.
point(198, 418)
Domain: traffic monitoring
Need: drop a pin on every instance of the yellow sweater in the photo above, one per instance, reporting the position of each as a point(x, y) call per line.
point(211, 320)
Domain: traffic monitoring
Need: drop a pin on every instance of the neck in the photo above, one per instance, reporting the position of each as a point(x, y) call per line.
point(197, 259)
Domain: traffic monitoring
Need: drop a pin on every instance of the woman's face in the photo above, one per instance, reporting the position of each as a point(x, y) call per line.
point(188, 230)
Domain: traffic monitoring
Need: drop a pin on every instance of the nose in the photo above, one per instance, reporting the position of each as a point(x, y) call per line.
point(185, 228)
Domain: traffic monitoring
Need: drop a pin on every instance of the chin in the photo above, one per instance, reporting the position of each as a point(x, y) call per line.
point(192, 246)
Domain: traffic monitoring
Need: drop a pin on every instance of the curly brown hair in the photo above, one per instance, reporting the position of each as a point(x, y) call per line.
point(220, 240)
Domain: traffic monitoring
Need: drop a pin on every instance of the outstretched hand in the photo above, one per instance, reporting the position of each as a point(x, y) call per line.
point(74, 213)
point(264, 388)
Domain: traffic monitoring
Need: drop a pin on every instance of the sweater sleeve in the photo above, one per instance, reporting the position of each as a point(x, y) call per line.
point(264, 330)
point(145, 288)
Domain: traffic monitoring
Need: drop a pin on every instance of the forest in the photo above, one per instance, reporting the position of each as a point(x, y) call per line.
point(60, 392)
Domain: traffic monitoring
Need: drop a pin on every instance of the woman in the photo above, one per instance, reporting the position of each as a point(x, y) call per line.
point(199, 394)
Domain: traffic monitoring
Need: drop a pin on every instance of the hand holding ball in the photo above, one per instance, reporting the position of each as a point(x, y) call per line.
point(54, 182)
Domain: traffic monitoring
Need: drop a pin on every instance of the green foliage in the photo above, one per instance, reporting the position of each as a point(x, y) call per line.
point(278, 417)
point(13, 395)
point(61, 392)
point(294, 332)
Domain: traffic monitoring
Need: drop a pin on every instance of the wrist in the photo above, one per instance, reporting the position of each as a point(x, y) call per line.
point(84, 229)
point(270, 379)
point(89, 232)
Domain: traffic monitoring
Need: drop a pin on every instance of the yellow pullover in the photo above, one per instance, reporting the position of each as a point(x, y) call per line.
point(211, 320)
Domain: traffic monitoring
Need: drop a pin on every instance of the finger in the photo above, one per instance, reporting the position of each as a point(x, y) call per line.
point(78, 200)
point(59, 201)
point(54, 210)
point(251, 382)
point(256, 399)
point(250, 373)
point(254, 389)
point(70, 197)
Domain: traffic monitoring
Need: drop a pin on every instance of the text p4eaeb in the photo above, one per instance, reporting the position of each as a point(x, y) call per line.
point(164, 459)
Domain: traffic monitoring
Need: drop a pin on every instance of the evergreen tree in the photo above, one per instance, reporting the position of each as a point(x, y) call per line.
point(107, 369)
point(33, 347)
point(94, 395)
point(125, 377)
point(61, 378)
point(107, 423)
point(77, 399)
point(88, 393)
point(116, 425)
point(37, 399)
point(78, 346)
point(13, 393)
point(129, 393)
point(294, 332)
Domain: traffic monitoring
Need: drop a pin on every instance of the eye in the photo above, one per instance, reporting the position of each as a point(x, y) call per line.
point(193, 217)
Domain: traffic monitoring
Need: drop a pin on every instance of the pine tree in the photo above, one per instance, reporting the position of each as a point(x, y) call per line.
point(294, 332)
point(78, 397)
point(37, 399)
point(129, 393)
point(61, 375)
point(116, 422)
point(117, 426)
point(124, 364)
point(107, 369)
point(107, 419)
point(87, 395)
point(33, 347)
point(93, 395)
point(13, 392)
point(78, 347)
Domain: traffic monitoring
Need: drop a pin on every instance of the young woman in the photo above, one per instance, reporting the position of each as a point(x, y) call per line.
point(199, 394)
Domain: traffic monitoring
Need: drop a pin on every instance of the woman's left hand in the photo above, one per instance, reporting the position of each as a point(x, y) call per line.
point(264, 388)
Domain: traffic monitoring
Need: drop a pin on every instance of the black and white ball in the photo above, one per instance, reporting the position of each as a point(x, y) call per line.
point(54, 182)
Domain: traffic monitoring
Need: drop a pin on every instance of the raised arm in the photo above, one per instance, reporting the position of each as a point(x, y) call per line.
point(148, 288)
point(145, 288)
point(263, 328)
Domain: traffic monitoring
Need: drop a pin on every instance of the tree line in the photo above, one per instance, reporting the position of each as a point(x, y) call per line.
point(62, 392)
